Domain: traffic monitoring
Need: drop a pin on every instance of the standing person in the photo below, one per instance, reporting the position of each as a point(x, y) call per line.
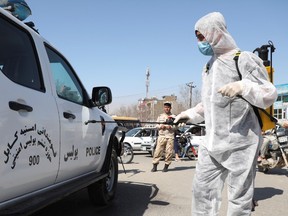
point(233, 132)
point(165, 140)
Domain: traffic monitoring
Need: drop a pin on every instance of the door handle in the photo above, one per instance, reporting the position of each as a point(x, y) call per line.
point(69, 115)
point(18, 106)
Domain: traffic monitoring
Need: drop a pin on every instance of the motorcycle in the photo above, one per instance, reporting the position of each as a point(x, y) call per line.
point(127, 155)
point(277, 154)
point(188, 147)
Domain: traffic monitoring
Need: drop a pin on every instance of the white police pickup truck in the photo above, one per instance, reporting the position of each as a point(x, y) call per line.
point(55, 139)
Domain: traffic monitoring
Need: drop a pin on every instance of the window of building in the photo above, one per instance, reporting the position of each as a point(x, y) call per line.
point(278, 113)
point(285, 98)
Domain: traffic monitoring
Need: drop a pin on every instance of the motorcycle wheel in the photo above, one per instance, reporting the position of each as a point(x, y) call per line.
point(190, 154)
point(128, 154)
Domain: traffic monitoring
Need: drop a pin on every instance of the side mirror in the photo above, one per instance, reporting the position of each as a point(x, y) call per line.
point(101, 95)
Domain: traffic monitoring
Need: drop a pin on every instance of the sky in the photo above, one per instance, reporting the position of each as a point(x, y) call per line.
point(113, 42)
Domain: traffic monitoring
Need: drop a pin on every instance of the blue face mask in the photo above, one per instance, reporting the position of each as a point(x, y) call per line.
point(205, 48)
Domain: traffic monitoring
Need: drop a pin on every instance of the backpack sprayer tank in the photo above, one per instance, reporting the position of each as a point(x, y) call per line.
point(263, 52)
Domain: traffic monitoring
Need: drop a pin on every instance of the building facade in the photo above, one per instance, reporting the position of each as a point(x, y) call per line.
point(150, 108)
point(281, 104)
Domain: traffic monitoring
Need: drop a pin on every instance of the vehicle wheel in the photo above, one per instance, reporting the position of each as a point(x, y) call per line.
point(103, 191)
point(190, 154)
point(128, 154)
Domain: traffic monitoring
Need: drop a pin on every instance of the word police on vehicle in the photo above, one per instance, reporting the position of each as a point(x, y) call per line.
point(49, 143)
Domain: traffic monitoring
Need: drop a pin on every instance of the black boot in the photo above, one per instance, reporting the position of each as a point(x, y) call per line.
point(154, 169)
point(165, 168)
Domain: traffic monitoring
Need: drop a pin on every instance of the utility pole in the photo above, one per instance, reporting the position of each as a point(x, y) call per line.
point(190, 85)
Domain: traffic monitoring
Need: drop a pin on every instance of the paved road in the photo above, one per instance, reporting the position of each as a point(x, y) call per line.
point(141, 192)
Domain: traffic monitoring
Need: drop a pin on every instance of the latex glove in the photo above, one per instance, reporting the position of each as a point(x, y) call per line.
point(182, 118)
point(181, 124)
point(232, 89)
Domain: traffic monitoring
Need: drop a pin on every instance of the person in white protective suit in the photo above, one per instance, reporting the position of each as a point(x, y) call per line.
point(233, 133)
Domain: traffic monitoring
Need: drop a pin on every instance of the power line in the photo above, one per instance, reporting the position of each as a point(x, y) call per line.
point(151, 91)
point(143, 93)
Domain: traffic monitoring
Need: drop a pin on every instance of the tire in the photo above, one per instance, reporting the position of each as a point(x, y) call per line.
point(128, 154)
point(190, 154)
point(101, 193)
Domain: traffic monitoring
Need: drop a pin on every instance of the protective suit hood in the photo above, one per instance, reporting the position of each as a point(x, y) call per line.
point(213, 28)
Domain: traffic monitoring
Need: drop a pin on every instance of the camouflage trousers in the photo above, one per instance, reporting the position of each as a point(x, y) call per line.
point(164, 146)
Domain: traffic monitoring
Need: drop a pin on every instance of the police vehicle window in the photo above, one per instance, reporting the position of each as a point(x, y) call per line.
point(17, 57)
point(67, 85)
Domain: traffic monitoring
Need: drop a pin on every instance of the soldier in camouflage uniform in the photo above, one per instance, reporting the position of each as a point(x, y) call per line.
point(165, 140)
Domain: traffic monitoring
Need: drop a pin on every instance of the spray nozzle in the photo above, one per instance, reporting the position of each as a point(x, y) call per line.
point(263, 52)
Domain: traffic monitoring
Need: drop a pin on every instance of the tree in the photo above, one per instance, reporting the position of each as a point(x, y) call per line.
point(144, 113)
point(129, 110)
point(184, 100)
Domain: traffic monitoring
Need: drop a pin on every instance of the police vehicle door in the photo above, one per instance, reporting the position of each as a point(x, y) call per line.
point(80, 143)
point(28, 116)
